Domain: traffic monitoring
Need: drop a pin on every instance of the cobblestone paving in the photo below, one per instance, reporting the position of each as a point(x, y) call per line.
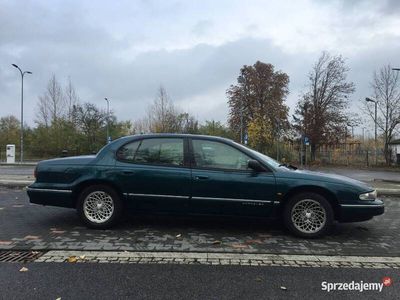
point(220, 259)
point(30, 227)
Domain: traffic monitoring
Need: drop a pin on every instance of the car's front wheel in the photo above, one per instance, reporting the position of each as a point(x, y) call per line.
point(99, 206)
point(308, 215)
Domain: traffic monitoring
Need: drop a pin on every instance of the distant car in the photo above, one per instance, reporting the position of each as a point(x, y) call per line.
point(199, 175)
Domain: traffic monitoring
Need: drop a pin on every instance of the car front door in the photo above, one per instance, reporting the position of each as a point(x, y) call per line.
point(154, 174)
point(222, 183)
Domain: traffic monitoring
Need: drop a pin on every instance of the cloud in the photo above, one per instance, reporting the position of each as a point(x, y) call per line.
point(125, 50)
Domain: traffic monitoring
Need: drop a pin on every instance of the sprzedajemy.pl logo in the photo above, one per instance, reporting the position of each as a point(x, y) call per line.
point(360, 286)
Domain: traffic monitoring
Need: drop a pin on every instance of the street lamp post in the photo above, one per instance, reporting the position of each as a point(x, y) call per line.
point(21, 157)
point(108, 118)
point(376, 132)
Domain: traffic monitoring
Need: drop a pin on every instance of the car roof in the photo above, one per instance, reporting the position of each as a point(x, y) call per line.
point(176, 135)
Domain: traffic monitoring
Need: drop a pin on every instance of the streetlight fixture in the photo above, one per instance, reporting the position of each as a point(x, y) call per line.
point(396, 69)
point(21, 157)
point(108, 119)
point(376, 132)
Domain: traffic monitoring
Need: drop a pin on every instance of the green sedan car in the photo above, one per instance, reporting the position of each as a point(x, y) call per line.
point(199, 175)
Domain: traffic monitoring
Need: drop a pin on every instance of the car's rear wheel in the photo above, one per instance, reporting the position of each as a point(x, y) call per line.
point(99, 206)
point(308, 215)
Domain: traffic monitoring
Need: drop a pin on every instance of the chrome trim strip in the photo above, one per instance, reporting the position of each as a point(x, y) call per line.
point(49, 190)
point(231, 199)
point(198, 198)
point(362, 205)
point(157, 196)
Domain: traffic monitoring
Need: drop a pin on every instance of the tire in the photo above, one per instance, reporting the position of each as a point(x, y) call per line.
point(99, 207)
point(301, 215)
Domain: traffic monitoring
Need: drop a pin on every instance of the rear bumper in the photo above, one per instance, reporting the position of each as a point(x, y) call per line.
point(53, 197)
point(361, 211)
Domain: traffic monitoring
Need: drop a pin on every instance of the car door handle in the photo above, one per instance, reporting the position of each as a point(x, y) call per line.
point(201, 177)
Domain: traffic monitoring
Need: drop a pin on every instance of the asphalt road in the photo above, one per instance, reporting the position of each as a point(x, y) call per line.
point(16, 170)
point(121, 281)
point(33, 227)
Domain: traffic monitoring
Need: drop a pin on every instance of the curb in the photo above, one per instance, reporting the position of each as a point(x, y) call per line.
point(387, 180)
point(388, 192)
point(205, 258)
point(31, 164)
point(15, 183)
point(24, 183)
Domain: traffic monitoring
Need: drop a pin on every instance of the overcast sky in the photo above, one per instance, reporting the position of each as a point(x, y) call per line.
point(124, 50)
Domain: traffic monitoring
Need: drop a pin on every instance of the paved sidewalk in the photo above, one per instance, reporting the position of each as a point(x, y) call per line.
point(34, 227)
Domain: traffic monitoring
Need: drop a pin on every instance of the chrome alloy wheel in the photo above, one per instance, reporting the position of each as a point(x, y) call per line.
point(98, 207)
point(308, 216)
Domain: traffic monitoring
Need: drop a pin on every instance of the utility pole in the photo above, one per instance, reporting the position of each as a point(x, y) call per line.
point(376, 128)
point(363, 134)
point(277, 139)
point(108, 118)
point(21, 157)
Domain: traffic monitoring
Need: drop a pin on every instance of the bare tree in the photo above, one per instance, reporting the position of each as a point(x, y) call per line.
point(91, 121)
point(71, 98)
point(321, 113)
point(51, 106)
point(386, 91)
point(162, 113)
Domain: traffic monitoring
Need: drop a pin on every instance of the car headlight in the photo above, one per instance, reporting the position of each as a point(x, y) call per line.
point(368, 196)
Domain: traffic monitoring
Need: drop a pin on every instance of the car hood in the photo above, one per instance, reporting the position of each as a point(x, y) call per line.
point(327, 177)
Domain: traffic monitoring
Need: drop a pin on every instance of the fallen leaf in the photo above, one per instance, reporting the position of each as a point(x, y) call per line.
point(58, 231)
point(59, 298)
point(216, 242)
point(31, 237)
point(23, 269)
point(283, 288)
point(258, 279)
point(254, 242)
point(178, 235)
point(239, 246)
point(82, 257)
point(72, 259)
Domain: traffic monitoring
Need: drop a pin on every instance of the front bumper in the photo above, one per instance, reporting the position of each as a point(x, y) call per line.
point(53, 197)
point(361, 211)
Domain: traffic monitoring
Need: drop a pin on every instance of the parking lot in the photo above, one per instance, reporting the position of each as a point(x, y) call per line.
point(31, 227)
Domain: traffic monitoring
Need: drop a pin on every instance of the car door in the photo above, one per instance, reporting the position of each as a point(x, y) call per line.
point(154, 174)
point(222, 183)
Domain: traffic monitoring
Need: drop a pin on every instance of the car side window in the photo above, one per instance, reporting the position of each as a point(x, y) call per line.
point(216, 155)
point(164, 151)
point(128, 151)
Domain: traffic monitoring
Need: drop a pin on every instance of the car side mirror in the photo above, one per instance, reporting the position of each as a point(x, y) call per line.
point(255, 165)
